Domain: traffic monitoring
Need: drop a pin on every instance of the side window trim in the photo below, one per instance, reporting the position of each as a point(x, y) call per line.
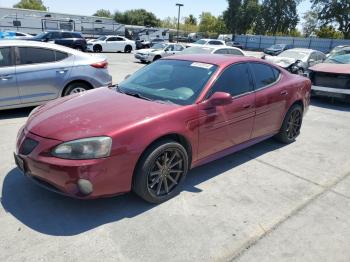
point(254, 80)
point(251, 78)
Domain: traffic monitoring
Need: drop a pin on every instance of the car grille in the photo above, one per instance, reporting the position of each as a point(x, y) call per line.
point(331, 80)
point(28, 146)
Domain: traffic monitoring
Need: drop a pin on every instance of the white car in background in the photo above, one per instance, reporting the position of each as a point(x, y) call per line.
point(224, 50)
point(111, 43)
point(158, 51)
point(204, 42)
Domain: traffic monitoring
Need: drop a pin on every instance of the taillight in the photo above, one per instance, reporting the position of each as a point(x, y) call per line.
point(101, 65)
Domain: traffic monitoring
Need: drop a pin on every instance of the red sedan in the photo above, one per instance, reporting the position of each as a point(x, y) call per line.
point(145, 134)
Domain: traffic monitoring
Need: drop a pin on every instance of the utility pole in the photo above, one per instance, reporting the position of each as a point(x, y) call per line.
point(178, 21)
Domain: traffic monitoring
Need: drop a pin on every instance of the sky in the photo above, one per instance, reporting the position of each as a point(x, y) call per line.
point(162, 8)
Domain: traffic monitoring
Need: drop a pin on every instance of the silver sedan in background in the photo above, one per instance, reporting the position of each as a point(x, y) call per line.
point(223, 50)
point(32, 73)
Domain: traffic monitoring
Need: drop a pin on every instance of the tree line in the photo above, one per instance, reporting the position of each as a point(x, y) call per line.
point(327, 18)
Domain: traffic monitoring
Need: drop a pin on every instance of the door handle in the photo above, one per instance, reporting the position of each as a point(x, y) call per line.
point(62, 71)
point(5, 78)
point(246, 106)
point(284, 92)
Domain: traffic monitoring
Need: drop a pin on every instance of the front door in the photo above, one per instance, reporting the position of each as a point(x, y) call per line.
point(229, 125)
point(8, 85)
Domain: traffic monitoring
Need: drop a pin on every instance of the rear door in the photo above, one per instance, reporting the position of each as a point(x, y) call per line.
point(41, 73)
point(9, 94)
point(271, 99)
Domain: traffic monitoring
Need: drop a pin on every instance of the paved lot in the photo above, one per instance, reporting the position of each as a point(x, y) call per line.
point(266, 203)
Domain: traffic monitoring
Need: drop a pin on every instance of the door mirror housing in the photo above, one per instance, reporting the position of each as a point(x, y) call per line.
point(219, 99)
point(311, 61)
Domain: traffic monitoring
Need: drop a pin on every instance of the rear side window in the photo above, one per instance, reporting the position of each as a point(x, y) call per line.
point(264, 74)
point(235, 80)
point(5, 57)
point(32, 55)
point(76, 35)
point(60, 56)
point(234, 52)
point(66, 35)
point(215, 43)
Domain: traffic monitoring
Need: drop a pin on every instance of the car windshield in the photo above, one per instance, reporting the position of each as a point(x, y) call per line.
point(200, 42)
point(102, 38)
point(338, 59)
point(159, 46)
point(341, 52)
point(294, 54)
point(279, 46)
point(197, 50)
point(169, 81)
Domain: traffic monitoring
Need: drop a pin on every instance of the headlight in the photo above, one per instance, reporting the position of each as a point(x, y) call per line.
point(87, 148)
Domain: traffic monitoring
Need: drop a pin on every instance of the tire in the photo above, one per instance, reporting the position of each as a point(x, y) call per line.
point(128, 49)
point(97, 48)
point(156, 58)
point(77, 87)
point(291, 125)
point(161, 172)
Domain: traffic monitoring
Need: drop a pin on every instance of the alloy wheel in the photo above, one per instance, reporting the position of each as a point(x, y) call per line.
point(77, 90)
point(294, 124)
point(166, 172)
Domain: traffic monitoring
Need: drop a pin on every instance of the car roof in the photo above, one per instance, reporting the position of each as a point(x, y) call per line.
point(215, 59)
point(302, 50)
point(26, 43)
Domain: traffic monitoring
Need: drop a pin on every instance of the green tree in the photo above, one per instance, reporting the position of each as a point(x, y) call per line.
point(278, 16)
point(310, 22)
point(231, 15)
point(103, 13)
point(247, 15)
point(329, 31)
point(207, 22)
point(137, 17)
point(335, 11)
point(191, 20)
point(31, 4)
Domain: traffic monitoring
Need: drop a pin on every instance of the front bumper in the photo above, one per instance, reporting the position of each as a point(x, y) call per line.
point(330, 92)
point(143, 57)
point(84, 179)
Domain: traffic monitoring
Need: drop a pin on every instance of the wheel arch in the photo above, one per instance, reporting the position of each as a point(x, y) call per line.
point(75, 81)
point(182, 140)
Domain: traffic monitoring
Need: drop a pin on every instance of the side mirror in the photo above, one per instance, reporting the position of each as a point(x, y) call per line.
point(311, 61)
point(218, 99)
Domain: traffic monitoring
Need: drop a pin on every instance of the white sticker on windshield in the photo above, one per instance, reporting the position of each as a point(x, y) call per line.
point(202, 65)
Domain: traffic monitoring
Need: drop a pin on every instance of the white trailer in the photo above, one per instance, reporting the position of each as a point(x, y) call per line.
point(148, 34)
point(34, 22)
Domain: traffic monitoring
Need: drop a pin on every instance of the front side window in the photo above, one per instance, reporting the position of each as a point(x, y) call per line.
point(174, 81)
point(234, 52)
point(215, 43)
point(112, 39)
point(264, 75)
point(235, 80)
point(66, 35)
point(32, 55)
point(5, 57)
point(221, 51)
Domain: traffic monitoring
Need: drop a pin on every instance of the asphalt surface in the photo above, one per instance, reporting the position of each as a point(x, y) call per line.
point(266, 203)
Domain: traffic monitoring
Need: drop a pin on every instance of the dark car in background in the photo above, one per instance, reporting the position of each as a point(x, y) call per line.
point(276, 49)
point(66, 38)
point(234, 44)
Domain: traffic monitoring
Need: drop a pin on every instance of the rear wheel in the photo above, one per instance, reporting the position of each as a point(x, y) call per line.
point(97, 48)
point(291, 125)
point(77, 87)
point(128, 49)
point(161, 172)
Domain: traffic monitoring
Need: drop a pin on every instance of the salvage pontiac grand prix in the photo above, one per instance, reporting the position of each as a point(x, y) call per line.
point(173, 115)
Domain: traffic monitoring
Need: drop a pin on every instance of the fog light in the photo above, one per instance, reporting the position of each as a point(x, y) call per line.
point(85, 186)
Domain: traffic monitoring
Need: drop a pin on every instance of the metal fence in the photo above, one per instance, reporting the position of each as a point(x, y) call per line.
point(258, 42)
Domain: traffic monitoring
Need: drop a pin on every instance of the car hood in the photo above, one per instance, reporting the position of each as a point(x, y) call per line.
point(331, 68)
point(281, 61)
point(98, 112)
point(149, 50)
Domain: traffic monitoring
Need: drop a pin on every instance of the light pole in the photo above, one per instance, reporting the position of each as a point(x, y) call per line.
point(178, 21)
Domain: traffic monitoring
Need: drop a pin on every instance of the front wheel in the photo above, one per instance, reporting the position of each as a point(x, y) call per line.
point(291, 125)
point(161, 172)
